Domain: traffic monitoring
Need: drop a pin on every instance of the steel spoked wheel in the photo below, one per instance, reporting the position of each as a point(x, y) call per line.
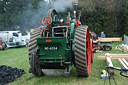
point(92, 51)
point(82, 51)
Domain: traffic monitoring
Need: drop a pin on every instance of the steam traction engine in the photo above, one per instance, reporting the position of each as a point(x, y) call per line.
point(60, 44)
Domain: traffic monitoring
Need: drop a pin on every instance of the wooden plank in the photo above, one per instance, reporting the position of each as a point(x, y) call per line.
point(110, 39)
point(118, 57)
point(123, 64)
point(117, 54)
point(101, 57)
point(115, 57)
point(126, 63)
point(109, 64)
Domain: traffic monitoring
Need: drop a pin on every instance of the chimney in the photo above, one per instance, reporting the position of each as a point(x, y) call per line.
point(75, 5)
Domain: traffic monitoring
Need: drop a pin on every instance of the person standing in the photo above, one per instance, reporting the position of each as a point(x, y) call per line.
point(102, 35)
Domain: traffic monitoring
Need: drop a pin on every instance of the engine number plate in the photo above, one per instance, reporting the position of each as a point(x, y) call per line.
point(51, 48)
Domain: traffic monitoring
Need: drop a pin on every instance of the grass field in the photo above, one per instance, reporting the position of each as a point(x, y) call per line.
point(18, 57)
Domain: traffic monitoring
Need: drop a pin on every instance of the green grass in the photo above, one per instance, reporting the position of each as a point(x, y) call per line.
point(18, 57)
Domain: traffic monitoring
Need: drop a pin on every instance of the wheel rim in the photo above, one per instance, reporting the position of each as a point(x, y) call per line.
point(88, 54)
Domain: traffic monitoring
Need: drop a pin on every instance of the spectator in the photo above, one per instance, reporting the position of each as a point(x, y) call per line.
point(102, 35)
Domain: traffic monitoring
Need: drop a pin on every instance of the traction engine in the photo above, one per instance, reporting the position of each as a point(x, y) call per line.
point(61, 43)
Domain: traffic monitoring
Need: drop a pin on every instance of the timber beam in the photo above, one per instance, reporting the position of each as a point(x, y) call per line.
point(110, 39)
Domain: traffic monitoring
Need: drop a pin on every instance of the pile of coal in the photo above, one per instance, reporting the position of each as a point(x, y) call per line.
point(9, 74)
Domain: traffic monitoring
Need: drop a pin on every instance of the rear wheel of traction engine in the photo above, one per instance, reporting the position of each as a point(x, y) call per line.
point(32, 46)
point(82, 51)
point(36, 69)
point(92, 52)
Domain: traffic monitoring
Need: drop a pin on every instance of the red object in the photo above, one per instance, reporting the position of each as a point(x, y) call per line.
point(43, 31)
point(68, 21)
point(1, 41)
point(0, 47)
point(46, 21)
point(60, 56)
point(48, 40)
point(88, 54)
point(41, 28)
point(77, 23)
point(92, 50)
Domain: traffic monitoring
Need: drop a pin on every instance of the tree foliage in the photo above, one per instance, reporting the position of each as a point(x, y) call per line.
point(18, 14)
point(110, 16)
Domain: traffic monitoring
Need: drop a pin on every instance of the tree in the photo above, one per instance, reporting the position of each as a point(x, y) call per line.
point(109, 16)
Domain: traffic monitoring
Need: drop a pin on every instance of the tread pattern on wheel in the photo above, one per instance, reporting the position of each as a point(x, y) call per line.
point(36, 70)
point(80, 51)
point(35, 33)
